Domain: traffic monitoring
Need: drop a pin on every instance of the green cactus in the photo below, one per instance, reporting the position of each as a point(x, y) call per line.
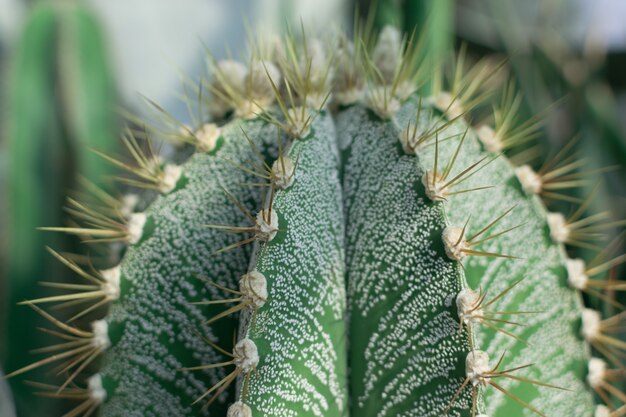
point(344, 243)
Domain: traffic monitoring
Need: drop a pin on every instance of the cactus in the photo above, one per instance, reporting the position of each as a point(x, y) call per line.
point(344, 242)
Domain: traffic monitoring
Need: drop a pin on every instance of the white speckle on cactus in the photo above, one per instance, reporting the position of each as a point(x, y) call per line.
point(171, 175)
point(435, 188)
point(253, 287)
point(96, 391)
point(283, 172)
point(100, 330)
point(596, 372)
point(382, 102)
point(239, 409)
point(128, 204)
point(467, 303)
point(591, 320)
point(388, 53)
point(135, 225)
point(267, 225)
point(246, 355)
point(576, 273)
point(488, 137)
point(447, 104)
point(477, 366)
point(111, 285)
point(602, 411)
point(207, 136)
point(530, 180)
point(559, 230)
point(454, 242)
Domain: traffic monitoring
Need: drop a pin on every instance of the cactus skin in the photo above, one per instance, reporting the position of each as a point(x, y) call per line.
point(160, 280)
point(404, 332)
point(409, 349)
point(302, 369)
point(544, 289)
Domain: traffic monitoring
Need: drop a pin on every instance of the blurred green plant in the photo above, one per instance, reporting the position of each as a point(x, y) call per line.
point(61, 105)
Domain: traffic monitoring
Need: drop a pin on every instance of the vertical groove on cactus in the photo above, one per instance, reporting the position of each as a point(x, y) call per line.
point(405, 345)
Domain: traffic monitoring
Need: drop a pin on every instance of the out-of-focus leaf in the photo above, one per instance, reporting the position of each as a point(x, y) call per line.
point(40, 165)
point(88, 91)
point(61, 104)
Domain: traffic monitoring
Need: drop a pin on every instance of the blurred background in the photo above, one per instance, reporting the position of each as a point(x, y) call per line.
point(70, 70)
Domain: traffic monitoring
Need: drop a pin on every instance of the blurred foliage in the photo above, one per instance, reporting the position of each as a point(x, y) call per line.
point(61, 104)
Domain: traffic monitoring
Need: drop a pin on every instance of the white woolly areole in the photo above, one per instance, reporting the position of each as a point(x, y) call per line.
point(489, 139)
point(315, 63)
point(348, 81)
point(111, 284)
point(266, 231)
point(299, 122)
point(348, 96)
point(246, 355)
point(128, 204)
point(596, 372)
point(530, 180)
point(283, 172)
point(171, 175)
point(230, 79)
point(253, 286)
point(387, 53)
point(559, 230)
point(135, 225)
point(239, 409)
point(259, 81)
point(467, 303)
point(454, 243)
point(602, 411)
point(382, 102)
point(577, 273)
point(207, 136)
point(447, 104)
point(477, 366)
point(434, 189)
point(96, 391)
point(100, 330)
point(591, 320)
point(232, 73)
point(409, 138)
